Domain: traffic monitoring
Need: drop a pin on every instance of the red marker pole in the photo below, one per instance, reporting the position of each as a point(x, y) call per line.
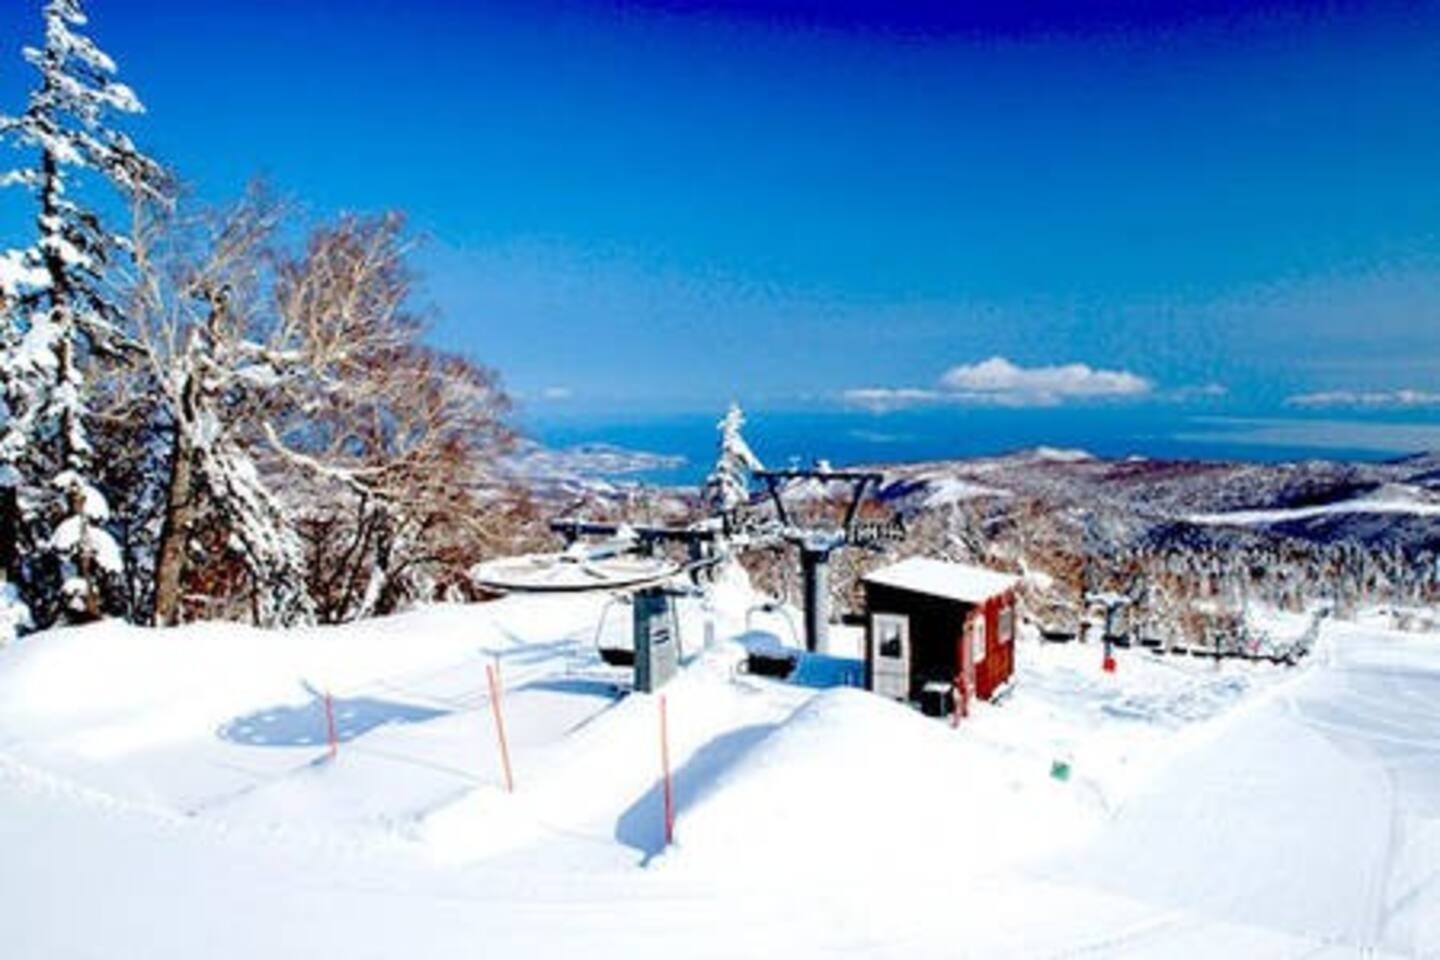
point(492, 673)
point(665, 770)
point(331, 738)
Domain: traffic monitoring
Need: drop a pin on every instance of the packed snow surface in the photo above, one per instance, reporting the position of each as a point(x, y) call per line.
point(170, 794)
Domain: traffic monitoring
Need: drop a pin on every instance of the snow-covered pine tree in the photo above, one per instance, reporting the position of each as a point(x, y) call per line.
point(14, 612)
point(62, 314)
point(22, 278)
point(728, 485)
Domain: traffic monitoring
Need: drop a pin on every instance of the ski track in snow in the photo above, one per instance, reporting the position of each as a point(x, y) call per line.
point(1310, 804)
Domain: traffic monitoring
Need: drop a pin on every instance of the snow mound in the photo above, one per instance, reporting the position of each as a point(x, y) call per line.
point(112, 675)
point(227, 718)
point(850, 776)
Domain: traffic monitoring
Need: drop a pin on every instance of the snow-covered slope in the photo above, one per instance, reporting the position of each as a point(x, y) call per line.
point(850, 778)
point(166, 785)
point(1391, 499)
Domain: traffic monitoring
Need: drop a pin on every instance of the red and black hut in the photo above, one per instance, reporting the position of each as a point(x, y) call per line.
point(932, 625)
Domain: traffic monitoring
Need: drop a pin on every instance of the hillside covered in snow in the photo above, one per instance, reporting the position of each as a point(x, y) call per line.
point(1191, 543)
point(173, 784)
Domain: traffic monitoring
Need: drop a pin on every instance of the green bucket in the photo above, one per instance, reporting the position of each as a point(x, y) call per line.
point(1060, 770)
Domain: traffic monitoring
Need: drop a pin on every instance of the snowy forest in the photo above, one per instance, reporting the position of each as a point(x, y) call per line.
point(215, 412)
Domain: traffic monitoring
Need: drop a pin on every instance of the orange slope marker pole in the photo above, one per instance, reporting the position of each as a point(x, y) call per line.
point(665, 770)
point(492, 672)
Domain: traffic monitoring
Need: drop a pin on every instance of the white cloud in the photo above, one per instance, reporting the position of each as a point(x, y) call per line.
point(1003, 382)
point(891, 398)
point(556, 393)
point(1198, 391)
point(1370, 398)
point(999, 382)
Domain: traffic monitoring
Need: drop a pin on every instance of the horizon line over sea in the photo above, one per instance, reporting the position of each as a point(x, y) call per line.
point(678, 448)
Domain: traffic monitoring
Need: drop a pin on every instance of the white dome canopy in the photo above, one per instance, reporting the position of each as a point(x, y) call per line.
point(570, 572)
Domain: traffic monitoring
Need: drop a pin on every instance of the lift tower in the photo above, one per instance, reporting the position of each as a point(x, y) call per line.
point(817, 543)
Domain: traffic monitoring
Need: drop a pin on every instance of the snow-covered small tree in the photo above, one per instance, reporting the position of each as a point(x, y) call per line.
point(63, 315)
point(212, 356)
point(728, 485)
point(305, 430)
point(403, 437)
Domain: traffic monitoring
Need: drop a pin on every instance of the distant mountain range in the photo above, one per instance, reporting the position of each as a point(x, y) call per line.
point(1380, 505)
point(1136, 501)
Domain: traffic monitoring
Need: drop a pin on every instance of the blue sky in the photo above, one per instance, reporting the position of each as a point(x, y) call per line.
point(666, 205)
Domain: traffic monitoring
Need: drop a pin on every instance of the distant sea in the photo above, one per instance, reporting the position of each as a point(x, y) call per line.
point(850, 437)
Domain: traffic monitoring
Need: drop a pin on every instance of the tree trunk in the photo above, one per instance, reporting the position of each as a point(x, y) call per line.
point(174, 533)
point(10, 534)
point(85, 567)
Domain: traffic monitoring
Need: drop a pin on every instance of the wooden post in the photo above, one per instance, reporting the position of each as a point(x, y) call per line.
point(492, 673)
point(665, 771)
point(330, 736)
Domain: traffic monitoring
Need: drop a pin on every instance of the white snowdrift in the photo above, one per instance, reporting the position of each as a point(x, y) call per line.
point(228, 722)
point(851, 778)
point(111, 688)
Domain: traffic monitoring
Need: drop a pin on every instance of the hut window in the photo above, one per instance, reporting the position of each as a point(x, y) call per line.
point(890, 635)
point(977, 639)
point(1006, 625)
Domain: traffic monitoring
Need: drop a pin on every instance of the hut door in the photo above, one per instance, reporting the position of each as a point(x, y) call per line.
point(891, 638)
point(973, 654)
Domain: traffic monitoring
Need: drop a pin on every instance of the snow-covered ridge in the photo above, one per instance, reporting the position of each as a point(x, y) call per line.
point(1059, 454)
point(1140, 500)
point(1392, 499)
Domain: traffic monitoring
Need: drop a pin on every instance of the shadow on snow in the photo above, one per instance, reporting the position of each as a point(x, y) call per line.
point(305, 726)
point(579, 686)
point(642, 825)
